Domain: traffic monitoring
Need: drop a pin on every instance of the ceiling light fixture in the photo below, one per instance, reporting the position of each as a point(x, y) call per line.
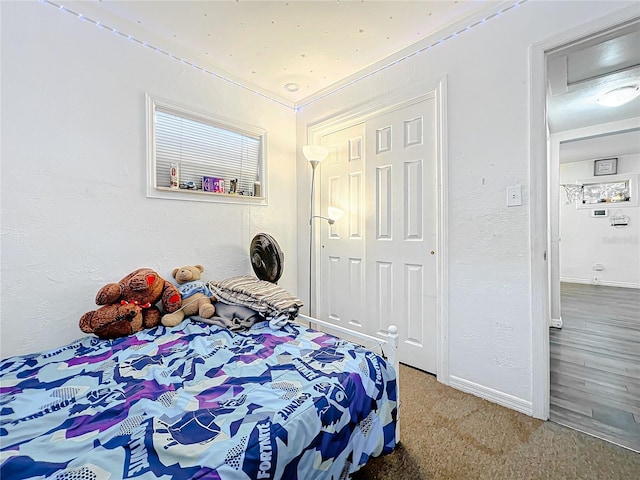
point(619, 96)
point(292, 87)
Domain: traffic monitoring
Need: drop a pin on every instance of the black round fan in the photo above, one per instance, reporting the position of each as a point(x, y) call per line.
point(267, 259)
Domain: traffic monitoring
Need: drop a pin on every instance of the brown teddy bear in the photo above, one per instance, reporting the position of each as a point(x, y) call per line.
point(197, 299)
point(113, 321)
point(142, 287)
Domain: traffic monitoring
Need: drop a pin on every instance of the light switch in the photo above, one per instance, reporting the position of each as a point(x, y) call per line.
point(514, 196)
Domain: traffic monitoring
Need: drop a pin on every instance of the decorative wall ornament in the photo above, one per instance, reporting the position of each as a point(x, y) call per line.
point(619, 220)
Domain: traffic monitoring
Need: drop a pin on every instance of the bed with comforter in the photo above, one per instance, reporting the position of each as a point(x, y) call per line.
point(197, 401)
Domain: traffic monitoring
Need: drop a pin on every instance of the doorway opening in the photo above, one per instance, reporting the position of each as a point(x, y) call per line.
point(594, 259)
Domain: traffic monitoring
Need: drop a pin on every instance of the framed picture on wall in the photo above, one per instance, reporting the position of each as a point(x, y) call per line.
point(606, 166)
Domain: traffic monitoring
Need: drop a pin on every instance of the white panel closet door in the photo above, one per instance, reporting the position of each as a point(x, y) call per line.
point(401, 229)
point(378, 263)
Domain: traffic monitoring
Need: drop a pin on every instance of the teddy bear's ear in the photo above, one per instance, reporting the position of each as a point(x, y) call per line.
point(175, 270)
point(199, 267)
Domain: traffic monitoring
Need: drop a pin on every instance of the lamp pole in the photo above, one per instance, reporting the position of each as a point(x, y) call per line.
point(314, 154)
point(314, 164)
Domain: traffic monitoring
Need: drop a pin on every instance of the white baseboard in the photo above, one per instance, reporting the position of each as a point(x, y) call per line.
point(556, 322)
point(587, 281)
point(504, 399)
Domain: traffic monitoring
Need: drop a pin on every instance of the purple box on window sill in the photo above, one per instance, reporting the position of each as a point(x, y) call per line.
point(213, 184)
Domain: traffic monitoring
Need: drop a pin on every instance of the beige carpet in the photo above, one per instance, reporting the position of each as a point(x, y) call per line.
point(448, 434)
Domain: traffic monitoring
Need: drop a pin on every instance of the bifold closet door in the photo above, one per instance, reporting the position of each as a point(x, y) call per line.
point(378, 262)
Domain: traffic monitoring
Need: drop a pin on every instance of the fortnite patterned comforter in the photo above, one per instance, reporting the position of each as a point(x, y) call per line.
point(197, 401)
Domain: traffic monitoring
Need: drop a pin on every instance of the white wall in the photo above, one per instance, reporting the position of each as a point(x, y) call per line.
point(487, 70)
point(74, 211)
point(586, 241)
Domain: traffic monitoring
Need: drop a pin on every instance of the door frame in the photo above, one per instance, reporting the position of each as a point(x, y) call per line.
point(540, 167)
point(436, 88)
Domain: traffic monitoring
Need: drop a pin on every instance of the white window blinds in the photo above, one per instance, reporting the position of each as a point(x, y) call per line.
point(200, 147)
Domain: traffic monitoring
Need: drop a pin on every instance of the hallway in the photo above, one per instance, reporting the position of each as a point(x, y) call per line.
point(595, 363)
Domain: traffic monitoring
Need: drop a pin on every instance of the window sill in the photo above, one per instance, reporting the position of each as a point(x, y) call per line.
point(201, 196)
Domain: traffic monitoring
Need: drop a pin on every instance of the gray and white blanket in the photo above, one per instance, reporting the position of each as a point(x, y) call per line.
point(233, 317)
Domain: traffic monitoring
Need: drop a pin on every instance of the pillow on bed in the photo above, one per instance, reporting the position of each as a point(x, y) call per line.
point(274, 302)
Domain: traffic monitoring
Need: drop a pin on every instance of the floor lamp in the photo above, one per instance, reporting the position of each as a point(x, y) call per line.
point(314, 155)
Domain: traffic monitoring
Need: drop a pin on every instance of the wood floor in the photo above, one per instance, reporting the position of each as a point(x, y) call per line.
point(595, 363)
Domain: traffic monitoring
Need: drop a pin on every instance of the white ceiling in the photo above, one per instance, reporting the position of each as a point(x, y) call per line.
point(272, 43)
point(603, 146)
point(265, 45)
point(577, 74)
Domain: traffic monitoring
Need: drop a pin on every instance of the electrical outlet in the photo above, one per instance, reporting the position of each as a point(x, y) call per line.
point(514, 196)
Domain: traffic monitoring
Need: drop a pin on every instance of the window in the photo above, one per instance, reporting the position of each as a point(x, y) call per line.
point(195, 156)
point(615, 190)
point(609, 192)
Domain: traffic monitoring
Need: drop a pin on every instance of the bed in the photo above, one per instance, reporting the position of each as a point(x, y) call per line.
point(198, 401)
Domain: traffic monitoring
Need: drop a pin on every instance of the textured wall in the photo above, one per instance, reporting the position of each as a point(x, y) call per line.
point(74, 211)
point(487, 71)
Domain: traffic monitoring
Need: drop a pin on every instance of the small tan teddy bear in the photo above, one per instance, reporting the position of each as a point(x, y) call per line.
point(197, 299)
